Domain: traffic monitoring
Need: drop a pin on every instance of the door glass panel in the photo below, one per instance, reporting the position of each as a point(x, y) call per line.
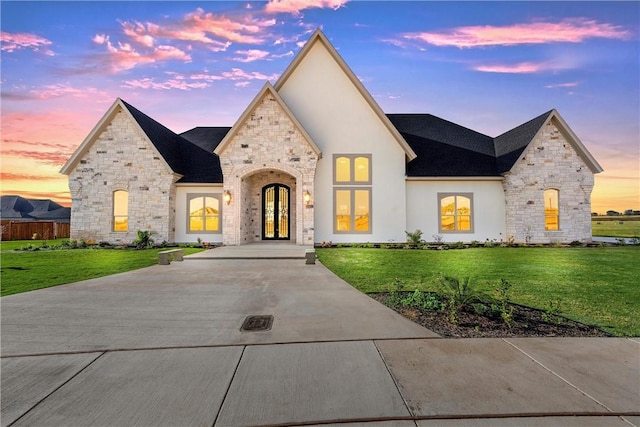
point(283, 213)
point(269, 213)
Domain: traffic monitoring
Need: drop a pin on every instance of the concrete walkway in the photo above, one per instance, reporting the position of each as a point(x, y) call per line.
point(162, 346)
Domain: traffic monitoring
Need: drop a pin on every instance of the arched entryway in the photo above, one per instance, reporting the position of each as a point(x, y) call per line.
point(276, 212)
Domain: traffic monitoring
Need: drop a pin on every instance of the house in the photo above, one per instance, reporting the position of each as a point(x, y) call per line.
point(313, 158)
point(17, 208)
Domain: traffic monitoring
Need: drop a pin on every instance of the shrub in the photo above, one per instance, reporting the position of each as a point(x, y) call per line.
point(415, 238)
point(460, 294)
point(144, 240)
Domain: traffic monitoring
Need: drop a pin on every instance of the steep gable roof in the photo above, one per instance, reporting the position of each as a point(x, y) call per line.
point(267, 88)
point(319, 37)
point(511, 144)
point(179, 155)
point(447, 149)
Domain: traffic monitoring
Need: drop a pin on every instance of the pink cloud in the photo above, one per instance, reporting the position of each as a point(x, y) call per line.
point(251, 55)
point(9, 176)
point(569, 30)
point(295, 6)
point(239, 74)
point(521, 68)
point(175, 83)
point(17, 41)
point(245, 30)
point(48, 157)
point(125, 57)
point(137, 32)
point(571, 84)
point(58, 90)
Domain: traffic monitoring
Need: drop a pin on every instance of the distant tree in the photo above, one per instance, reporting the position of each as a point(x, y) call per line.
point(613, 213)
point(594, 214)
point(628, 212)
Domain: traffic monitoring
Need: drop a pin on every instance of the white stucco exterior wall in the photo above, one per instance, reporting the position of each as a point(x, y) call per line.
point(488, 209)
point(341, 121)
point(182, 207)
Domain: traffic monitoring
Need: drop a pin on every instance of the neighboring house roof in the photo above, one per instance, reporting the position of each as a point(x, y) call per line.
point(17, 207)
point(319, 37)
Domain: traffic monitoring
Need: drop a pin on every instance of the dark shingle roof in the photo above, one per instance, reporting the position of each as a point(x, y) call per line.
point(14, 207)
point(447, 149)
point(511, 144)
point(428, 126)
point(206, 138)
point(443, 148)
point(196, 164)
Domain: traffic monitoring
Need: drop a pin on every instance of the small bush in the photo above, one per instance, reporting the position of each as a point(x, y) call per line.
point(144, 240)
point(415, 237)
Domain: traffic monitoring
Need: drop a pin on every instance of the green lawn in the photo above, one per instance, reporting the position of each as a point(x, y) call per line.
point(620, 227)
point(27, 270)
point(599, 286)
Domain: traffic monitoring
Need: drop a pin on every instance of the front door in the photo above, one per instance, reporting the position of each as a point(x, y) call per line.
point(275, 212)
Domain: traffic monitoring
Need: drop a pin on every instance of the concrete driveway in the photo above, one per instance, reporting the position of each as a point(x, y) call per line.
point(162, 346)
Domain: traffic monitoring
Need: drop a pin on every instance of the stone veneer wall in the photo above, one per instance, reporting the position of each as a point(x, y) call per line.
point(267, 141)
point(549, 162)
point(122, 159)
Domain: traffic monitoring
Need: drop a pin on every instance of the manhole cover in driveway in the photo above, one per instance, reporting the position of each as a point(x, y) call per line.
point(257, 323)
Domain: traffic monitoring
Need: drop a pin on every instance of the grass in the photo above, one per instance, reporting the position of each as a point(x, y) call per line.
point(24, 271)
point(597, 286)
point(619, 226)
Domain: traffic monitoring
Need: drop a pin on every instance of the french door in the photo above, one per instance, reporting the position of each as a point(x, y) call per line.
point(275, 212)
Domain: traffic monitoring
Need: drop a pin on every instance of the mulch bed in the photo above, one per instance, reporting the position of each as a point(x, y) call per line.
point(527, 322)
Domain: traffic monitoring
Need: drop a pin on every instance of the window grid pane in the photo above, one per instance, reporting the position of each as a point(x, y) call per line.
point(343, 210)
point(361, 169)
point(204, 214)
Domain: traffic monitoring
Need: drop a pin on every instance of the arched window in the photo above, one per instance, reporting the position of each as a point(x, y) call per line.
point(456, 212)
point(551, 210)
point(204, 213)
point(120, 210)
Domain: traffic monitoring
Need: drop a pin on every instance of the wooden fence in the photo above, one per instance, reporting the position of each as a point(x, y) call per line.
point(25, 230)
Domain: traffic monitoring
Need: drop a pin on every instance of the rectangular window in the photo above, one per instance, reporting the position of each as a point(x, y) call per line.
point(120, 210)
point(203, 214)
point(456, 212)
point(352, 210)
point(551, 210)
point(352, 193)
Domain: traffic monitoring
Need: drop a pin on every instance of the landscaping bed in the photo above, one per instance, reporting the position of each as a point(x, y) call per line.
point(526, 322)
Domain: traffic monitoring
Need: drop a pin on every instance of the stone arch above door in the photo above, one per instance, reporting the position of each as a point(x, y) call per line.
point(243, 218)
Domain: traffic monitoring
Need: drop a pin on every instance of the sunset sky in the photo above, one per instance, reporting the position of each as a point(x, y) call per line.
point(489, 66)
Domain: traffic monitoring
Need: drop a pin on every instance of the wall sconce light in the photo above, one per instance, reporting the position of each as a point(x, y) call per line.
point(227, 197)
point(306, 197)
